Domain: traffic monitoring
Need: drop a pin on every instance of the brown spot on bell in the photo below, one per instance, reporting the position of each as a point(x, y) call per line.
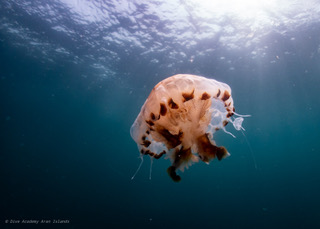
point(188, 96)
point(146, 143)
point(225, 122)
point(226, 96)
point(218, 94)
point(150, 123)
point(163, 109)
point(229, 114)
point(157, 156)
point(205, 96)
point(172, 104)
point(152, 116)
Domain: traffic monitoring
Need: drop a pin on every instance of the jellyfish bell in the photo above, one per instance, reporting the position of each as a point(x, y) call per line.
point(179, 118)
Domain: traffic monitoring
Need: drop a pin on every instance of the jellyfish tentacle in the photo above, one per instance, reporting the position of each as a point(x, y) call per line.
point(141, 157)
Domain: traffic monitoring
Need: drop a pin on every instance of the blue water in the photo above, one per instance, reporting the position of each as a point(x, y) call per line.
point(74, 75)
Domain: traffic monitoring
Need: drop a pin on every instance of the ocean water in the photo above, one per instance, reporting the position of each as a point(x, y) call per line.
point(73, 78)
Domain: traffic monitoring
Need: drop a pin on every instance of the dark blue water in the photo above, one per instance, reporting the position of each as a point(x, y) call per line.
point(72, 84)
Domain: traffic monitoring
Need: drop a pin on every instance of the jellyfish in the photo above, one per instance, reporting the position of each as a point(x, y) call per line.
point(179, 118)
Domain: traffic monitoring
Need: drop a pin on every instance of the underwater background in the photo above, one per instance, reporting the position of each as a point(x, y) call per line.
point(73, 78)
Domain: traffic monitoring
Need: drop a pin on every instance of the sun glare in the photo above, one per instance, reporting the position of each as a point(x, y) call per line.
point(242, 9)
point(237, 6)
